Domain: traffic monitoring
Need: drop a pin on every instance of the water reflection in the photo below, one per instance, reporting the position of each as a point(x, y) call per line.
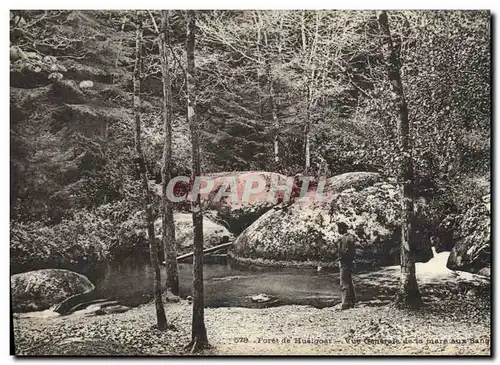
point(131, 283)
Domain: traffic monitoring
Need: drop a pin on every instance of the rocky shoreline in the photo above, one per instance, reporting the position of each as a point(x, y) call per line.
point(449, 324)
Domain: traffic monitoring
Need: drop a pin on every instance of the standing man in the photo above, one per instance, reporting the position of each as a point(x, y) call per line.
point(346, 257)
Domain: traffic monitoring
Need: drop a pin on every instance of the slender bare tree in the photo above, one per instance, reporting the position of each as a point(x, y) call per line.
point(148, 206)
point(168, 236)
point(168, 226)
point(310, 86)
point(270, 81)
point(276, 124)
point(199, 334)
point(408, 295)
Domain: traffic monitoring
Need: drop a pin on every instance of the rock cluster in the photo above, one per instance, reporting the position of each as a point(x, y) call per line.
point(41, 289)
point(472, 240)
point(305, 233)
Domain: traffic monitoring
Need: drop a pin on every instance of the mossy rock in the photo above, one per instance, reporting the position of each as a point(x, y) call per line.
point(472, 238)
point(238, 214)
point(306, 234)
point(41, 289)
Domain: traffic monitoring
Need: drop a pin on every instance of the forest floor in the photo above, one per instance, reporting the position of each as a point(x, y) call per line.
point(451, 324)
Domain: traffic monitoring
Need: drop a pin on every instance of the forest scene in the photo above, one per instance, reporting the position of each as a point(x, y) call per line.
point(250, 182)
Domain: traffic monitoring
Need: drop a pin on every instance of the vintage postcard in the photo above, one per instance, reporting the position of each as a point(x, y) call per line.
point(250, 182)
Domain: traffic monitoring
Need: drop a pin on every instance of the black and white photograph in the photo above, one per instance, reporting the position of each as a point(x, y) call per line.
point(250, 182)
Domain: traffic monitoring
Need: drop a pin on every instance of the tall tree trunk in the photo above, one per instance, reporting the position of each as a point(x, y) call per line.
point(303, 29)
point(153, 250)
point(306, 149)
point(311, 84)
point(270, 84)
point(199, 334)
point(276, 131)
point(307, 127)
point(274, 114)
point(408, 295)
point(256, 15)
point(307, 130)
point(168, 236)
point(258, 23)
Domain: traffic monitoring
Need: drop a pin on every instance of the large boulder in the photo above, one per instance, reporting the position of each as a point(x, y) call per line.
point(213, 233)
point(41, 289)
point(356, 180)
point(306, 234)
point(232, 210)
point(238, 214)
point(472, 240)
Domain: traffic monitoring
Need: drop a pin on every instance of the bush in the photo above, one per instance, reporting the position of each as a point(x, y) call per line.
point(80, 243)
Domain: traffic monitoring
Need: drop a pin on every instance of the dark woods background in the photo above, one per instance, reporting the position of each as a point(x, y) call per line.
point(293, 75)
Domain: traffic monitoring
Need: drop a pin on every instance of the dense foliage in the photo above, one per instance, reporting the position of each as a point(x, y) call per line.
point(74, 186)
